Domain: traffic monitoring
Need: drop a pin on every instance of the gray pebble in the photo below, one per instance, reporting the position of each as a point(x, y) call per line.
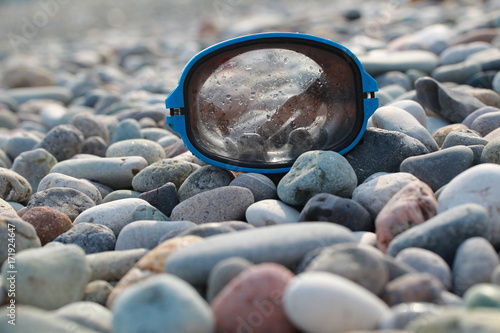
point(150, 150)
point(60, 180)
point(491, 152)
point(89, 125)
point(410, 288)
point(13, 186)
point(8, 119)
point(403, 314)
point(21, 95)
point(204, 179)
point(458, 53)
point(25, 235)
point(261, 186)
point(88, 314)
point(127, 129)
point(113, 265)
point(222, 273)
point(464, 137)
point(5, 161)
point(91, 237)
point(97, 291)
point(19, 143)
point(94, 145)
point(121, 194)
point(162, 172)
point(486, 123)
point(156, 134)
point(476, 114)
point(34, 165)
point(394, 77)
point(458, 72)
point(207, 230)
point(63, 141)
point(164, 198)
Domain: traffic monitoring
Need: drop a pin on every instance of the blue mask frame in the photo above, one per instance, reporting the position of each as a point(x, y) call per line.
point(178, 103)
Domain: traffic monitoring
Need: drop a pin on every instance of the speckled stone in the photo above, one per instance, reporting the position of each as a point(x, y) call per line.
point(13, 186)
point(94, 145)
point(204, 179)
point(491, 152)
point(91, 126)
point(220, 204)
point(253, 301)
point(474, 263)
point(317, 172)
point(222, 273)
point(414, 204)
point(269, 212)
point(68, 201)
point(25, 235)
point(327, 207)
point(464, 137)
point(164, 198)
point(162, 172)
point(48, 222)
point(7, 209)
point(34, 165)
point(261, 186)
point(113, 265)
point(409, 288)
point(441, 133)
point(63, 142)
point(60, 180)
point(91, 237)
point(150, 150)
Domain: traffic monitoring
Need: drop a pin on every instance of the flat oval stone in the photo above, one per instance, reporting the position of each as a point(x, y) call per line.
point(458, 72)
point(162, 172)
point(19, 143)
point(414, 204)
point(222, 273)
point(113, 265)
point(60, 180)
point(486, 123)
point(270, 212)
point(480, 185)
point(366, 158)
point(476, 114)
point(474, 263)
point(221, 204)
point(325, 207)
point(161, 302)
point(463, 222)
point(116, 172)
point(13, 186)
point(317, 172)
point(482, 295)
point(204, 179)
point(146, 234)
point(464, 137)
point(25, 235)
point(327, 303)
point(413, 108)
point(21, 95)
point(91, 237)
point(164, 198)
point(48, 222)
point(68, 201)
point(410, 288)
point(438, 168)
point(63, 142)
point(381, 61)
point(34, 165)
point(284, 244)
point(150, 150)
point(261, 186)
point(374, 194)
point(50, 277)
point(254, 299)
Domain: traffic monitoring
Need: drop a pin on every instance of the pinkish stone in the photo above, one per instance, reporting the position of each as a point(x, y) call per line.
point(414, 204)
point(252, 301)
point(48, 222)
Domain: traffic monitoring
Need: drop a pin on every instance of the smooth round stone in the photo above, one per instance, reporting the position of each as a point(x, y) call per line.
point(63, 141)
point(25, 235)
point(34, 165)
point(88, 314)
point(113, 265)
point(374, 194)
point(486, 123)
point(458, 53)
point(21, 95)
point(285, 244)
point(458, 73)
point(482, 295)
point(394, 77)
point(120, 194)
point(414, 204)
point(127, 129)
point(405, 313)
point(317, 172)
point(453, 104)
point(92, 238)
point(204, 179)
point(325, 207)
point(19, 143)
point(394, 146)
point(491, 152)
point(50, 277)
point(222, 273)
point(476, 114)
point(68, 201)
point(464, 137)
point(438, 168)
point(363, 265)
point(97, 291)
point(381, 61)
point(474, 263)
point(146, 234)
point(13, 186)
point(164, 198)
point(254, 300)
point(458, 321)
point(442, 132)
point(395, 119)
point(159, 303)
point(94, 145)
point(269, 212)
point(221, 204)
point(413, 108)
point(327, 303)
point(162, 172)
point(28, 76)
point(60, 180)
point(150, 150)
point(261, 186)
point(117, 214)
point(168, 140)
point(115, 172)
point(52, 114)
point(48, 222)
point(463, 222)
point(476, 185)
point(425, 261)
point(410, 288)
point(90, 126)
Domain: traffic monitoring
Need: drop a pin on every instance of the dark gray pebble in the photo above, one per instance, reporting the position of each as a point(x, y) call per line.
point(463, 137)
point(91, 237)
point(261, 186)
point(63, 141)
point(94, 145)
point(164, 198)
point(204, 179)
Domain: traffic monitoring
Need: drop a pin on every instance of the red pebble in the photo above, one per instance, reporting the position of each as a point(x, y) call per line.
point(48, 222)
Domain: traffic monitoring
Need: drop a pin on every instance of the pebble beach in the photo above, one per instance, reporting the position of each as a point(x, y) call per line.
point(109, 224)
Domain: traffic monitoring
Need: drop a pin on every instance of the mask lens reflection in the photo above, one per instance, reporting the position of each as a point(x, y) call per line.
point(270, 105)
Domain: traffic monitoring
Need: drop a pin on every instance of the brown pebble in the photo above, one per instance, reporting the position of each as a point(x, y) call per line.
point(443, 132)
point(414, 287)
point(48, 222)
